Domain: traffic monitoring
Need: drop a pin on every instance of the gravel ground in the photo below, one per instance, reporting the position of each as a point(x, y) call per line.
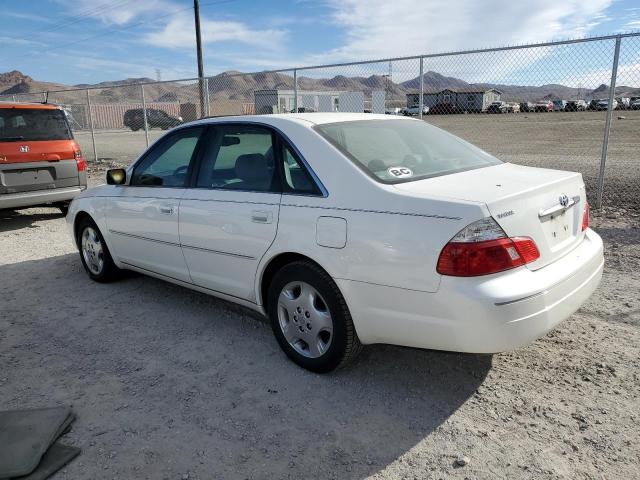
point(170, 383)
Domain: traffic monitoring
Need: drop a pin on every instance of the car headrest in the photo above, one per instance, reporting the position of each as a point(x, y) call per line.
point(252, 167)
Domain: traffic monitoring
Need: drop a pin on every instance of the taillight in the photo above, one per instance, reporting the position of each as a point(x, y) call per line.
point(585, 216)
point(483, 248)
point(80, 163)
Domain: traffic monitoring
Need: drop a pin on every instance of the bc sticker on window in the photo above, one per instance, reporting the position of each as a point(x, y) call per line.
point(400, 172)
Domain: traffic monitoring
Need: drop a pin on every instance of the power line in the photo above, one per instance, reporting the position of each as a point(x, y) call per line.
point(90, 12)
point(128, 27)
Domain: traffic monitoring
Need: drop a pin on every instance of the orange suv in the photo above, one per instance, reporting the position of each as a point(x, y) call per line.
point(40, 162)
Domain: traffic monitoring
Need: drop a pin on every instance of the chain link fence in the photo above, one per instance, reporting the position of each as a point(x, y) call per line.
point(572, 105)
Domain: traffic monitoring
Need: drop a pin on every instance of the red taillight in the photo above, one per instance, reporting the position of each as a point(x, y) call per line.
point(585, 216)
point(471, 259)
point(80, 163)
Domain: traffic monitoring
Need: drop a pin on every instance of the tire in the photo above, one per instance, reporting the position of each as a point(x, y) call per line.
point(323, 318)
point(63, 207)
point(94, 253)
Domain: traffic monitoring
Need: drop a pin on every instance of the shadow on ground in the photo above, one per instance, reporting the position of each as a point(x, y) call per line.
point(11, 220)
point(168, 381)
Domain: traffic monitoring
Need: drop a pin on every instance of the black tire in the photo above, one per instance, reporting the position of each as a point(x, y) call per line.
point(345, 344)
point(63, 207)
point(109, 271)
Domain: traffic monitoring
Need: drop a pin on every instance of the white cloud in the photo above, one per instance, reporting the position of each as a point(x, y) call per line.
point(382, 28)
point(179, 33)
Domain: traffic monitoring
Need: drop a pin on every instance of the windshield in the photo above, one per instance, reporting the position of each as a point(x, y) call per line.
point(395, 151)
point(33, 124)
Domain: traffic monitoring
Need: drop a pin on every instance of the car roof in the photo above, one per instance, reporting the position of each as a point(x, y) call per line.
point(45, 106)
point(307, 119)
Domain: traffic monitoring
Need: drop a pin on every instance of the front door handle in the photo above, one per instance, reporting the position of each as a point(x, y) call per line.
point(167, 210)
point(261, 216)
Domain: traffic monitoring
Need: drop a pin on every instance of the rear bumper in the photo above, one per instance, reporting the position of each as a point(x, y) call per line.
point(482, 314)
point(39, 197)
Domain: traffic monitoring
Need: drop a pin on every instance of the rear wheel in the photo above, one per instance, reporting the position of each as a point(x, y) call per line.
point(63, 207)
point(310, 318)
point(94, 252)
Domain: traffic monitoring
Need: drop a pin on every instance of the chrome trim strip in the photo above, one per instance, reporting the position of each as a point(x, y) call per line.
point(239, 255)
point(549, 212)
point(190, 247)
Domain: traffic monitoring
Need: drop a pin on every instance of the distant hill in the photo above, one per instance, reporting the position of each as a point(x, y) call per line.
point(238, 87)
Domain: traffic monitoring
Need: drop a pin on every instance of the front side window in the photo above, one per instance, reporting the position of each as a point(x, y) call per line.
point(395, 151)
point(167, 164)
point(239, 157)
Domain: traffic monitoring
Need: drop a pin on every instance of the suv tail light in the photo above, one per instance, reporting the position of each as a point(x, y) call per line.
point(80, 163)
point(585, 216)
point(482, 248)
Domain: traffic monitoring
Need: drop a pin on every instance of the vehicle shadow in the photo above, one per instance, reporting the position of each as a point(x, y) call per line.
point(11, 220)
point(204, 386)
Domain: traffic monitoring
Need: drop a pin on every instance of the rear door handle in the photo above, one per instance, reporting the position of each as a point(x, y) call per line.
point(167, 210)
point(261, 216)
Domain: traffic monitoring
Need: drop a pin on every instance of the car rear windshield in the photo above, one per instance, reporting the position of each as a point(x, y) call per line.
point(33, 124)
point(396, 151)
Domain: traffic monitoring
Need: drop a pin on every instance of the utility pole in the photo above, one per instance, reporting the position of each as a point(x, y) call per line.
point(196, 13)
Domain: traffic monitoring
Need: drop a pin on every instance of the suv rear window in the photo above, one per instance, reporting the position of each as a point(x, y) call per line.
point(33, 124)
point(396, 151)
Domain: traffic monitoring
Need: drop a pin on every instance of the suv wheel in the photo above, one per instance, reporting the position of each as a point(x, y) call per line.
point(94, 252)
point(310, 318)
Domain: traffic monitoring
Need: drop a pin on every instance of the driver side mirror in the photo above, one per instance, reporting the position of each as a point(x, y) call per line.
point(116, 176)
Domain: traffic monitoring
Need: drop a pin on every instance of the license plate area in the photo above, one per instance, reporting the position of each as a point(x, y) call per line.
point(559, 228)
point(24, 177)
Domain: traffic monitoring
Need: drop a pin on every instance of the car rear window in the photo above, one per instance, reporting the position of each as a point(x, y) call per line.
point(395, 151)
point(33, 124)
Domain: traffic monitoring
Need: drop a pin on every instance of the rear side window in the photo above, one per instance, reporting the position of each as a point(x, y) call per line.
point(395, 151)
point(25, 125)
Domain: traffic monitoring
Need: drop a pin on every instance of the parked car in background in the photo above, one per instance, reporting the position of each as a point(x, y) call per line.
point(575, 106)
point(394, 111)
point(603, 104)
point(281, 213)
point(40, 162)
point(634, 103)
point(559, 105)
point(303, 110)
point(498, 107)
point(527, 107)
point(445, 109)
point(134, 119)
point(623, 103)
point(514, 107)
point(415, 111)
point(544, 106)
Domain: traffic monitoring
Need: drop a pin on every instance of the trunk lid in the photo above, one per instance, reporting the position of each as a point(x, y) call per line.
point(545, 205)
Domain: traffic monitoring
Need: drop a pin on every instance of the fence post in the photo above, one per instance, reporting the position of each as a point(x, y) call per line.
point(421, 94)
point(295, 90)
point(607, 125)
point(206, 98)
point(144, 115)
point(93, 134)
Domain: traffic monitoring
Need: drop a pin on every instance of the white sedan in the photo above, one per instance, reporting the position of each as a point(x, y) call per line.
point(349, 229)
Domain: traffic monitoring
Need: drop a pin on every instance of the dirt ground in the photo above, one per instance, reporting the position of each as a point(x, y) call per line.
point(173, 384)
point(568, 141)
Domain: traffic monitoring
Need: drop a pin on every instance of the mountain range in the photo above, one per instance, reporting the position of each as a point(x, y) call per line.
point(237, 86)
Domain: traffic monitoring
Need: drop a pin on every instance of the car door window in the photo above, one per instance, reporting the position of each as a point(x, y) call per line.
point(296, 177)
point(239, 157)
point(167, 164)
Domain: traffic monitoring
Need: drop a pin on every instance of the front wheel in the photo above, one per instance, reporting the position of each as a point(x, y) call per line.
point(94, 253)
point(310, 318)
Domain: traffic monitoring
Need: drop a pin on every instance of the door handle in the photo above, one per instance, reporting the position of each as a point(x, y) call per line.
point(261, 216)
point(168, 210)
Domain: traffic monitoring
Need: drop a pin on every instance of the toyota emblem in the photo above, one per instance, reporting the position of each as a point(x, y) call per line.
point(564, 200)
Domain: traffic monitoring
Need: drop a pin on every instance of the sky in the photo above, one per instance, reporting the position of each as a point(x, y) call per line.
point(88, 41)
